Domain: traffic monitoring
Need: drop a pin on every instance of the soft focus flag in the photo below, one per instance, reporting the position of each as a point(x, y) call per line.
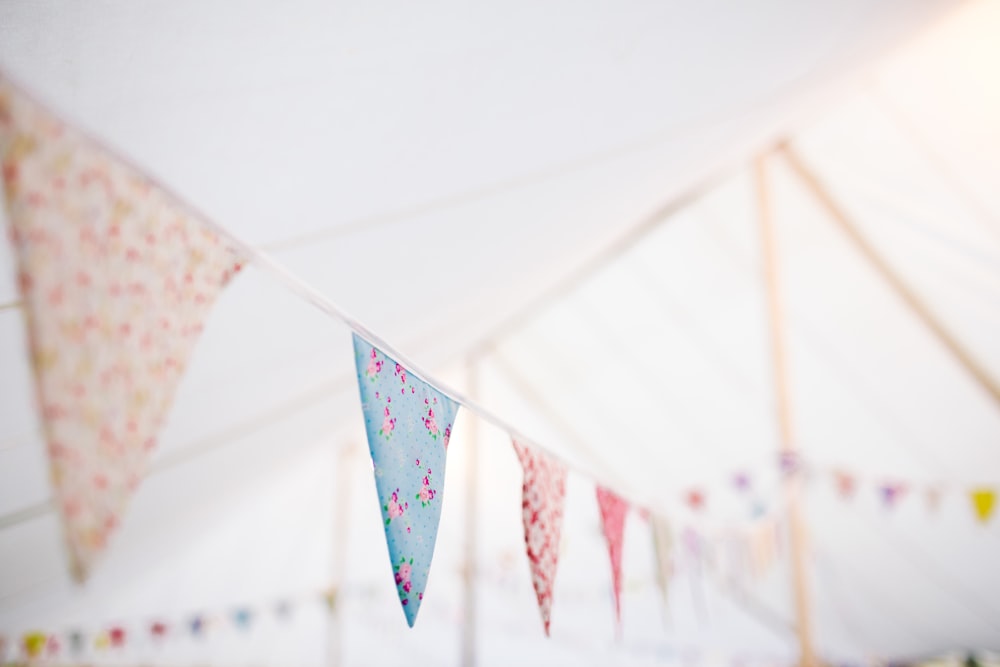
point(983, 501)
point(932, 495)
point(102, 641)
point(543, 494)
point(34, 644)
point(613, 510)
point(242, 618)
point(891, 493)
point(845, 483)
point(283, 610)
point(408, 424)
point(117, 280)
point(695, 499)
point(741, 482)
point(77, 642)
point(158, 630)
point(117, 636)
point(663, 545)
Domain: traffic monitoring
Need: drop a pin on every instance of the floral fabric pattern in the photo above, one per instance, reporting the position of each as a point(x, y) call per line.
point(613, 511)
point(542, 500)
point(116, 280)
point(408, 424)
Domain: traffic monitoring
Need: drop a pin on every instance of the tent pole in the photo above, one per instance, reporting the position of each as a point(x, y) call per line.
point(338, 560)
point(894, 279)
point(797, 531)
point(471, 526)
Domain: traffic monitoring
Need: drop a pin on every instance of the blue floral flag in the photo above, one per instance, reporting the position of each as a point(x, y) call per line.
point(408, 424)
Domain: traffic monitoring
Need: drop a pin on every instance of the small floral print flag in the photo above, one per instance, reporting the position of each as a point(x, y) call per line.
point(542, 500)
point(613, 510)
point(408, 424)
point(983, 501)
point(116, 280)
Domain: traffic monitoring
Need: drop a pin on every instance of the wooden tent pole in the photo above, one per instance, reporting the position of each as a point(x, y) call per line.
point(338, 561)
point(471, 450)
point(894, 279)
point(797, 531)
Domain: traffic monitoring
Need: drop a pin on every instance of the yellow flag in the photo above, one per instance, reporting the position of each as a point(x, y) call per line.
point(34, 642)
point(983, 500)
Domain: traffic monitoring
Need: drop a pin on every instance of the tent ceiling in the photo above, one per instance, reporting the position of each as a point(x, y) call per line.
point(502, 149)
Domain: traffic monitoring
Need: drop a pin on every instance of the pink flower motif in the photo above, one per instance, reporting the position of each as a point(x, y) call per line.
point(401, 372)
point(388, 424)
point(374, 365)
point(404, 571)
point(394, 509)
point(430, 423)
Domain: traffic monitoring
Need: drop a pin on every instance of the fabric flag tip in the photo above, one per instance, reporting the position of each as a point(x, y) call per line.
point(613, 510)
point(543, 495)
point(983, 502)
point(408, 424)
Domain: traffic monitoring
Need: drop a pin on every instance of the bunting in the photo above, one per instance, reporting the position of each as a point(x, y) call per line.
point(613, 510)
point(408, 423)
point(542, 499)
point(117, 280)
point(845, 483)
point(891, 492)
point(663, 544)
point(983, 501)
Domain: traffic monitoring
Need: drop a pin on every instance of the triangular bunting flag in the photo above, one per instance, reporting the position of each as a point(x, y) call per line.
point(542, 498)
point(663, 545)
point(741, 482)
point(117, 280)
point(891, 493)
point(932, 495)
point(845, 483)
point(983, 501)
point(408, 424)
point(695, 499)
point(34, 644)
point(613, 510)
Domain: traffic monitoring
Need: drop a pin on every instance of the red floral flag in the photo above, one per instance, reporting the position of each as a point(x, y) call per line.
point(613, 510)
point(116, 280)
point(543, 496)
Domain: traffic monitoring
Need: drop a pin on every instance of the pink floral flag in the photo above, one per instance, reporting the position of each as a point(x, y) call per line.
point(543, 496)
point(613, 510)
point(116, 280)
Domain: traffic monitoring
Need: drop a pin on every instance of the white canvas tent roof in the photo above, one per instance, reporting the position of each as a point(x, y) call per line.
point(505, 149)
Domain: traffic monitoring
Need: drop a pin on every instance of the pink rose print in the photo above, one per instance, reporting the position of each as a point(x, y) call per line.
point(543, 496)
point(403, 571)
point(388, 424)
point(426, 493)
point(393, 508)
point(401, 373)
point(447, 435)
point(430, 423)
point(374, 366)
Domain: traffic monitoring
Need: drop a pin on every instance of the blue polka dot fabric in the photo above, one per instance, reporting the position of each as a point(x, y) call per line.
point(408, 423)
